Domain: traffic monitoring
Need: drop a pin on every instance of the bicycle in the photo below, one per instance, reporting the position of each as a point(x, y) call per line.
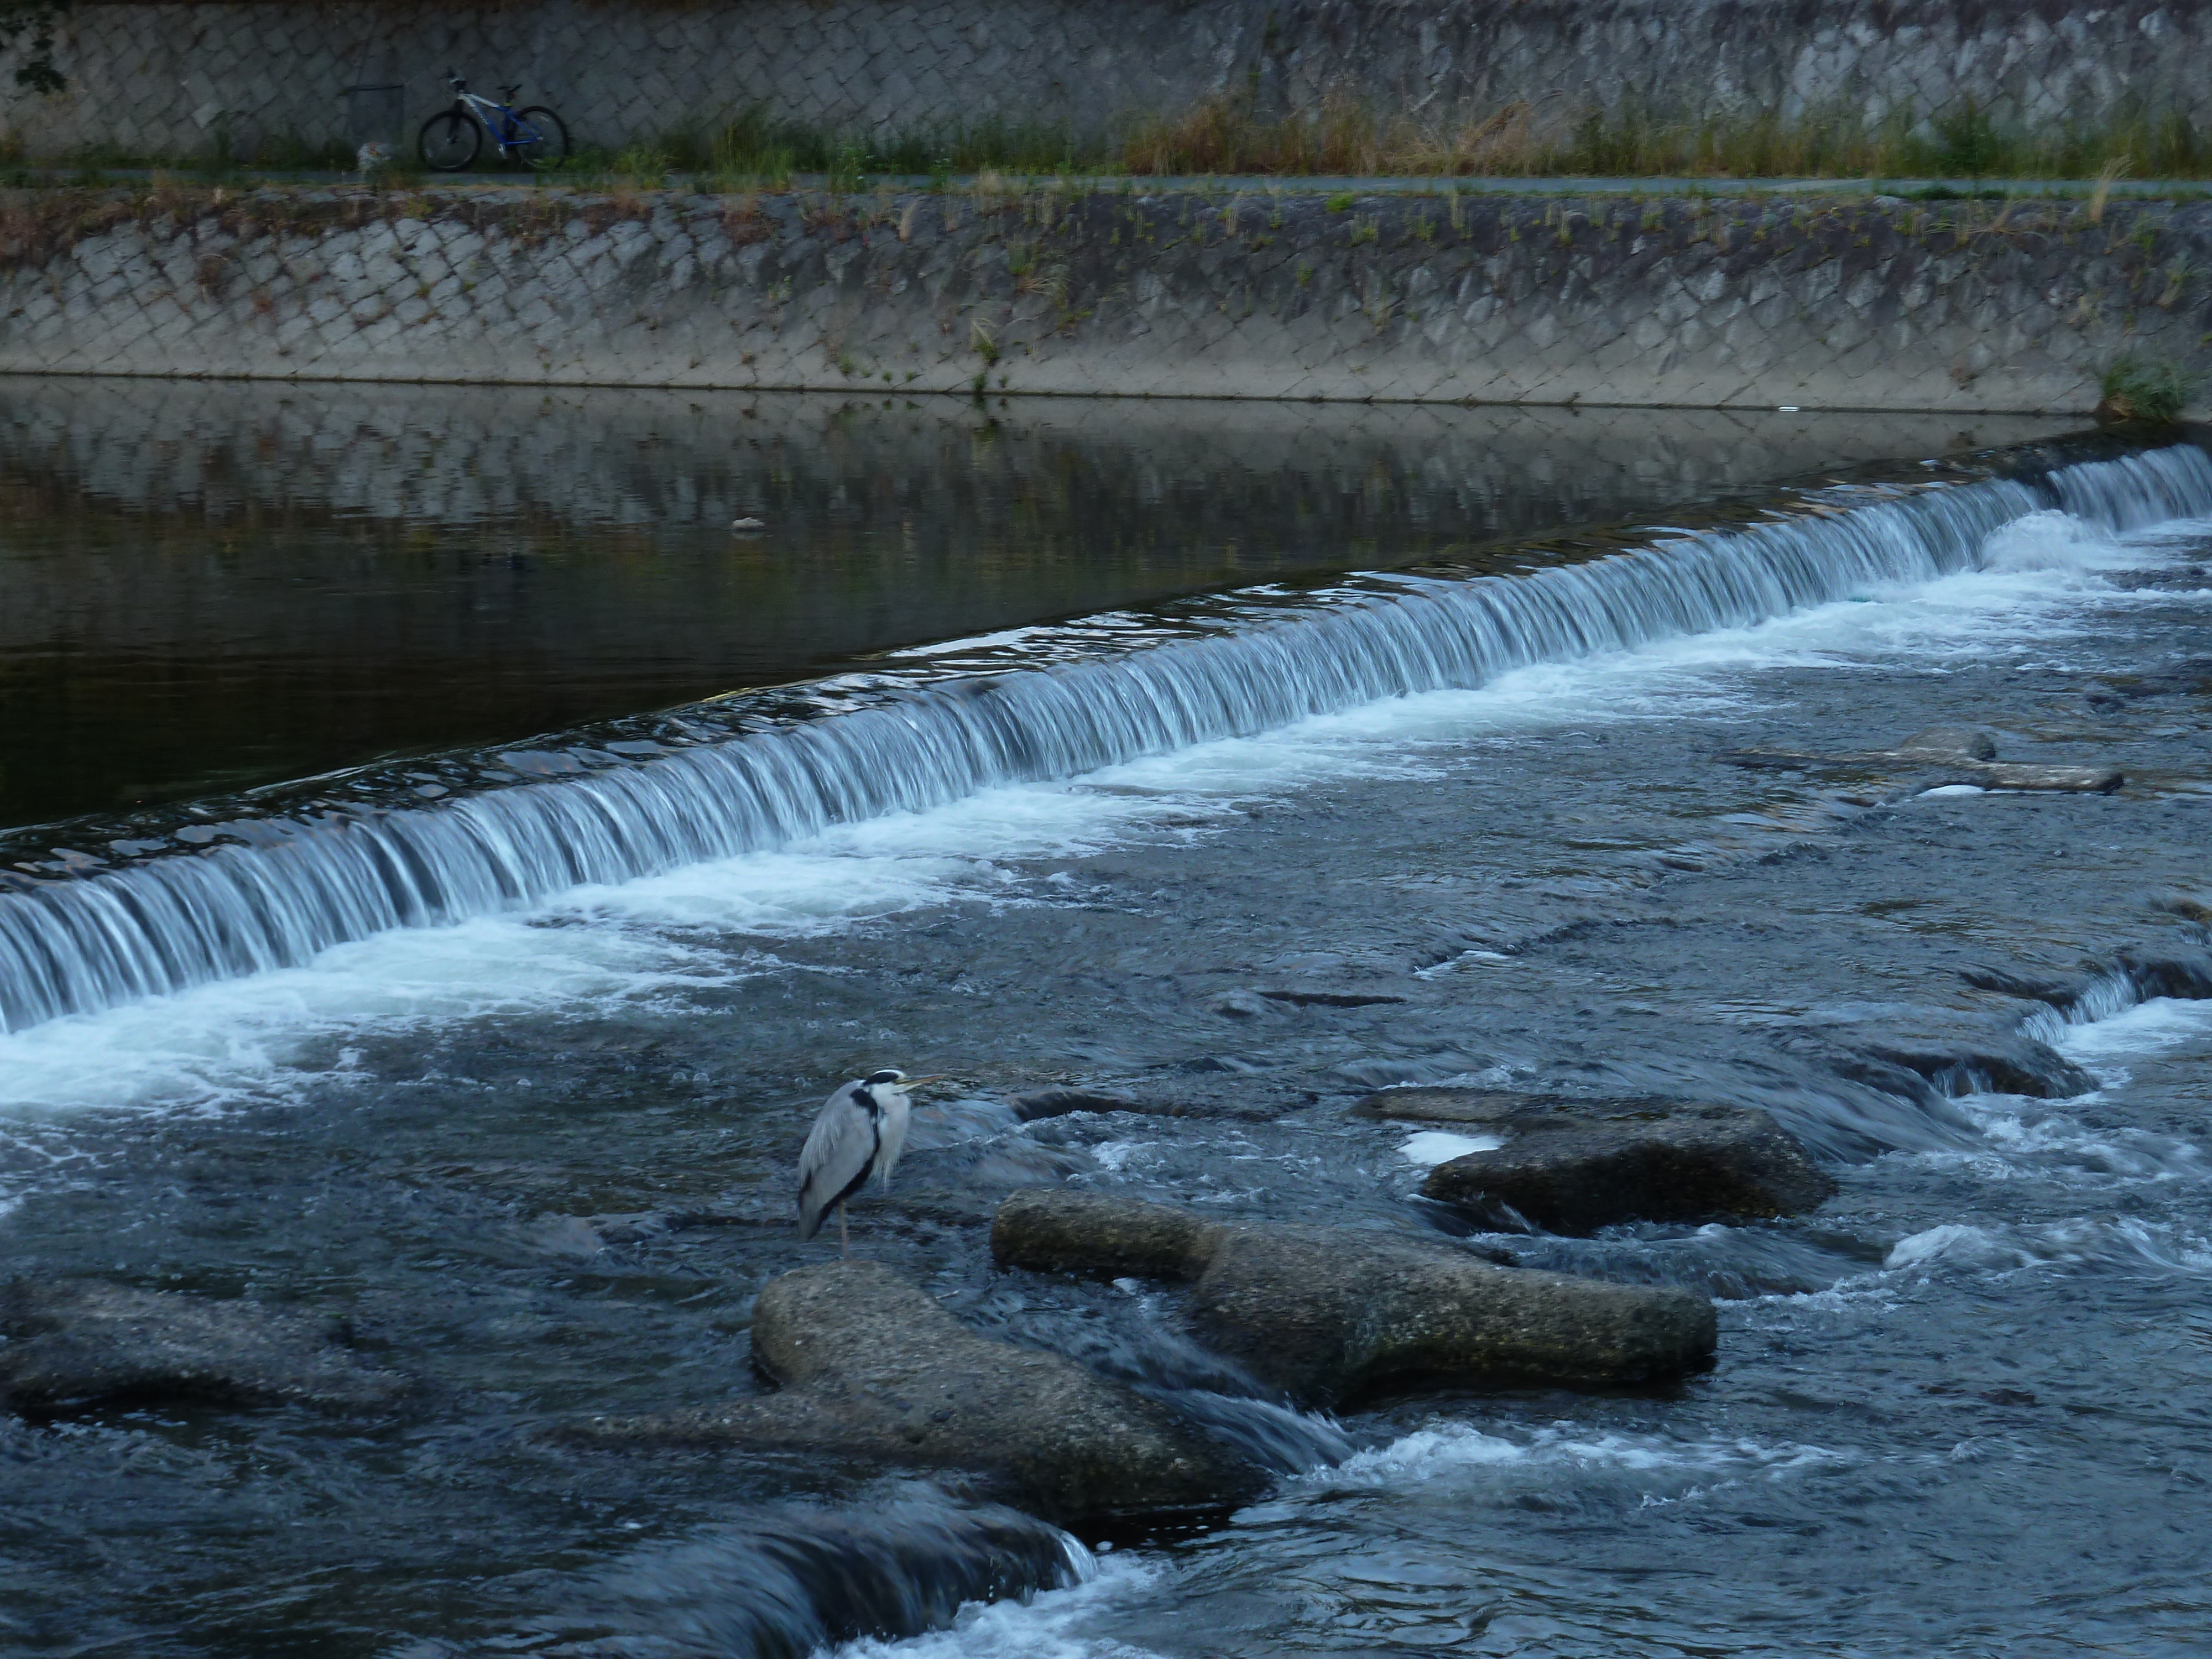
point(451, 139)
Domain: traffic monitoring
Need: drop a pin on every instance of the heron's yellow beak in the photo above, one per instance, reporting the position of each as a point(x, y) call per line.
point(934, 1076)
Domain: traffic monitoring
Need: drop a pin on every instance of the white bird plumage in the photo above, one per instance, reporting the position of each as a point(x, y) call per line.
point(861, 1131)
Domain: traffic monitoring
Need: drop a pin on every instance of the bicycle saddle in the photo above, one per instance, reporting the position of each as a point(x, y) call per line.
point(507, 94)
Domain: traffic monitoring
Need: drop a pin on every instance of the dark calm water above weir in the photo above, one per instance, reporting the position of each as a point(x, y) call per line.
point(210, 586)
point(499, 1056)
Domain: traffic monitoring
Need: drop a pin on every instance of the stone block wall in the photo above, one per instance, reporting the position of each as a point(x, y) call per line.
point(1881, 304)
point(170, 79)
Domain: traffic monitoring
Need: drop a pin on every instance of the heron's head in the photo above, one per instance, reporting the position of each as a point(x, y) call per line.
point(888, 1074)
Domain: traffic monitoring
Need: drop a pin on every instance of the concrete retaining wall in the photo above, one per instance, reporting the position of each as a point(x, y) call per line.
point(1885, 305)
point(171, 79)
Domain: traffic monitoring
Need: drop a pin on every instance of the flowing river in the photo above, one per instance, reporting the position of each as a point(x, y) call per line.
point(445, 865)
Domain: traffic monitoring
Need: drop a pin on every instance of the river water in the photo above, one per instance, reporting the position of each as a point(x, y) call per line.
point(405, 922)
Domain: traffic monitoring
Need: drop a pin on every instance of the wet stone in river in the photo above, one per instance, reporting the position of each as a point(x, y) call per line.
point(1327, 1314)
point(873, 1366)
point(1959, 1055)
point(1575, 1173)
point(1940, 756)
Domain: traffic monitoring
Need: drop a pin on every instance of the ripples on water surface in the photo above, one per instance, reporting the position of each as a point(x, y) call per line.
point(538, 1155)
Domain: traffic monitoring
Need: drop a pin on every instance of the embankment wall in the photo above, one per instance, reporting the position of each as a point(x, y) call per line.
point(1880, 304)
point(180, 79)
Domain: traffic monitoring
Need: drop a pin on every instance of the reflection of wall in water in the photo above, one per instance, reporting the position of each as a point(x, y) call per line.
point(460, 455)
point(225, 582)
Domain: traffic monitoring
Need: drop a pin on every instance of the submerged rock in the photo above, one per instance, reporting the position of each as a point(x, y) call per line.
point(1953, 1057)
point(2136, 974)
point(1058, 1103)
point(2079, 780)
point(1326, 1314)
point(1433, 1104)
point(1968, 743)
point(794, 1578)
point(1577, 1174)
point(1305, 998)
point(960, 1185)
point(81, 1343)
point(871, 1365)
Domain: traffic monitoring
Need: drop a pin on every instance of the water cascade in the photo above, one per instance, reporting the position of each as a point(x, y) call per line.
point(89, 933)
point(796, 1578)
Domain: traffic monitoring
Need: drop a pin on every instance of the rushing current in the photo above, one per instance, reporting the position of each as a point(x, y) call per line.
point(518, 1146)
point(260, 893)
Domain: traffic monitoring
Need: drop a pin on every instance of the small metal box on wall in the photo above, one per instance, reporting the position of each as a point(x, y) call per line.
point(376, 115)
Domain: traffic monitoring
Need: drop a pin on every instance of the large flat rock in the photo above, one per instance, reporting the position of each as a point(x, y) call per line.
point(1575, 1173)
point(1327, 1314)
point(74, 1344)
point(871, 1365)
point(1572, 1166)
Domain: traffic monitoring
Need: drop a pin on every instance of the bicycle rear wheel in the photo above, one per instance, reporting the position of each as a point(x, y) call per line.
point(537, 139)
point(449, 142)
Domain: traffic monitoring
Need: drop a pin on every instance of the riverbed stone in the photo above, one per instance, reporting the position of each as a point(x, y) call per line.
point(1573, 1165)
point(1936, 758)
point(871, 1365)
point(1575, 1173)
point(1096, 1233)
point(1328, 1314)
point(1949, 1055)
point(1949, 743)
point(78, 1344)
point(1059, 1101)
point(1450, 1104)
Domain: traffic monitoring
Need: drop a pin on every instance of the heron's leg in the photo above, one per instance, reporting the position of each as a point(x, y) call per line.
point(844, 1244)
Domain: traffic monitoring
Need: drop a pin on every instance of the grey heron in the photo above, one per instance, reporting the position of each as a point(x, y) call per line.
point(860, 1133)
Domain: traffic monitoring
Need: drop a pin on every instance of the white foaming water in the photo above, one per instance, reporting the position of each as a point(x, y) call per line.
point(2129, 1245)
point(643, 941)
point(1450, 1451)
point(2056, 1146)
point(2156, 1027)
point(1433, 1146)
point(2051, 540)
point(1048, 1625)
point(713, 921)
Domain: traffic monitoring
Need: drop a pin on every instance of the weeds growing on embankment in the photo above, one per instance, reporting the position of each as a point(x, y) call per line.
point(1546, 137)
point(37, 224)
point(2139, 388)
point(1541, 138)
point(1526, 138)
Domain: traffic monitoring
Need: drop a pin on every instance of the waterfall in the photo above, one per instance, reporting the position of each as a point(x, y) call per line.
point(271, 892)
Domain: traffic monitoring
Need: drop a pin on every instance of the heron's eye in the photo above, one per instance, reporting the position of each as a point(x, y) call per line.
point(888, 1075)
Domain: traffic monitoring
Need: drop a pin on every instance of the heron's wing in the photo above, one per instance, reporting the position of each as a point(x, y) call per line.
point(892, 1133)
point(834, 1161)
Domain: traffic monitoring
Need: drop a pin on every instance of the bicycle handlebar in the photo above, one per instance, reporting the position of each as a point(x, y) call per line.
point(460, 85)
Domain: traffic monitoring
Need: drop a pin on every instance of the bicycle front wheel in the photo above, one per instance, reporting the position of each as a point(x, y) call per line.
point(449, 142)
point(537, 139)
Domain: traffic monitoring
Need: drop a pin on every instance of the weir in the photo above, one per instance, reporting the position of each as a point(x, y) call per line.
point(89, 933)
